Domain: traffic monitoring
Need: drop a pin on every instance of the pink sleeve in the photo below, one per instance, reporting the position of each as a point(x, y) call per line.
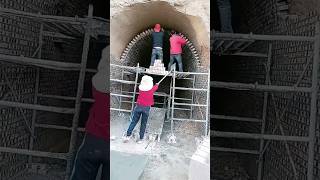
point(155, 88)
point(183, 41)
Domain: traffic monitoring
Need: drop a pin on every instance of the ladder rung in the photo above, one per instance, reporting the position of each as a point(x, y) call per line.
point(192, 89)
point(185, 104)
point(258, 87)
point(194, 120)
point(121, 95)
point(191, 73)
point(49, 126)
point(186, 78)
point(250, 54)
point(240, 135)
point(34, 153)
point(65, 97)
point(235, 118)
point(37, 107)
point(186, 99)
point(262, 37)
point(123, 81)
point(185, 109)
point(245, 151)
point(121, 110)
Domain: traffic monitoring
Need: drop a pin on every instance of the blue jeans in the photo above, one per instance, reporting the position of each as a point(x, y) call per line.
point(93, 153)
point(156, 52)
point(178, 59)
point(225, 15)
point(137, 113)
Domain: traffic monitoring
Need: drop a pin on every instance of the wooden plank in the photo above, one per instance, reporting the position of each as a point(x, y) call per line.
point(235, 150)
point(258, 136)
point(40, 62)
point(75, 120)
point(191, 120)
point(249, 54)
point(251, 36)
point(62, 156)
point(37, 107)
point(49, 126)
point(186, 104)
point(44, 18)
point(65, 98)
point(235, 118)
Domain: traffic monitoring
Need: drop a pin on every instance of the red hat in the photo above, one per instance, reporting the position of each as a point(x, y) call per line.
point(157, 28)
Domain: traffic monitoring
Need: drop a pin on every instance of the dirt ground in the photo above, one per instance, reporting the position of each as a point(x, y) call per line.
point(166, 161)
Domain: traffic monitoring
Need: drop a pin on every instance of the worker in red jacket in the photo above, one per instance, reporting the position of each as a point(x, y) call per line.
point(144, 103)
point(94, 151)
point(176, 43)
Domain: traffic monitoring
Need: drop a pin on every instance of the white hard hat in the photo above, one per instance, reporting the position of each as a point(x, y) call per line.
point(146, 83)
point(100, 80)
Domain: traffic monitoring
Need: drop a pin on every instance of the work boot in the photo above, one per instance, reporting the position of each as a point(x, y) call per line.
point(126, 139)
point(140, 141)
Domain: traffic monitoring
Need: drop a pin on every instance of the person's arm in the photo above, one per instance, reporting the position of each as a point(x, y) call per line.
point(155, 87)
point(182, 41)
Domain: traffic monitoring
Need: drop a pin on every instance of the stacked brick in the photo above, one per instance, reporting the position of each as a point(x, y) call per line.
point(157, 68)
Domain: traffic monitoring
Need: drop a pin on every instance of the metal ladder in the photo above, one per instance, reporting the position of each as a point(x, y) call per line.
point(124, 94)
point(189, 102)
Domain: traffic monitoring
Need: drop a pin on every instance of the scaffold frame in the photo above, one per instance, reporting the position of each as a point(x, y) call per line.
point(89, 26)
point(268, 89)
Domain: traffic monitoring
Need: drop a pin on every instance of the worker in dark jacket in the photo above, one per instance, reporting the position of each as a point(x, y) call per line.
point(157, 42)
point(94, 151)
point(176, 43)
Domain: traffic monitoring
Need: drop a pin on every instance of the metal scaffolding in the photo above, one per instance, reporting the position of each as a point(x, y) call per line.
point(63, 28)
point(169, 101)
point(189, 104)
point(236, 44)
point(126, 98)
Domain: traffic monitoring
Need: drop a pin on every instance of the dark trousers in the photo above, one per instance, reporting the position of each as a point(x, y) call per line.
point(93, 153)
point(225, 15)
point(175, 58)
point(156, 52)
point(137, 113)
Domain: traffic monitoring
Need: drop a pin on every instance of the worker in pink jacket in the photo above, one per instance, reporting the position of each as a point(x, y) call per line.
point(144, 103)
point(176, 43)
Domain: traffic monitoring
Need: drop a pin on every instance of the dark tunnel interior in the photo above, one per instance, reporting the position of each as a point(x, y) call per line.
point(142, 48)
point(140, 52)
point(228, 102)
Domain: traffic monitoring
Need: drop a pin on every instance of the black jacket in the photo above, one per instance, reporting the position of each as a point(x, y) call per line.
point(157, 39)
